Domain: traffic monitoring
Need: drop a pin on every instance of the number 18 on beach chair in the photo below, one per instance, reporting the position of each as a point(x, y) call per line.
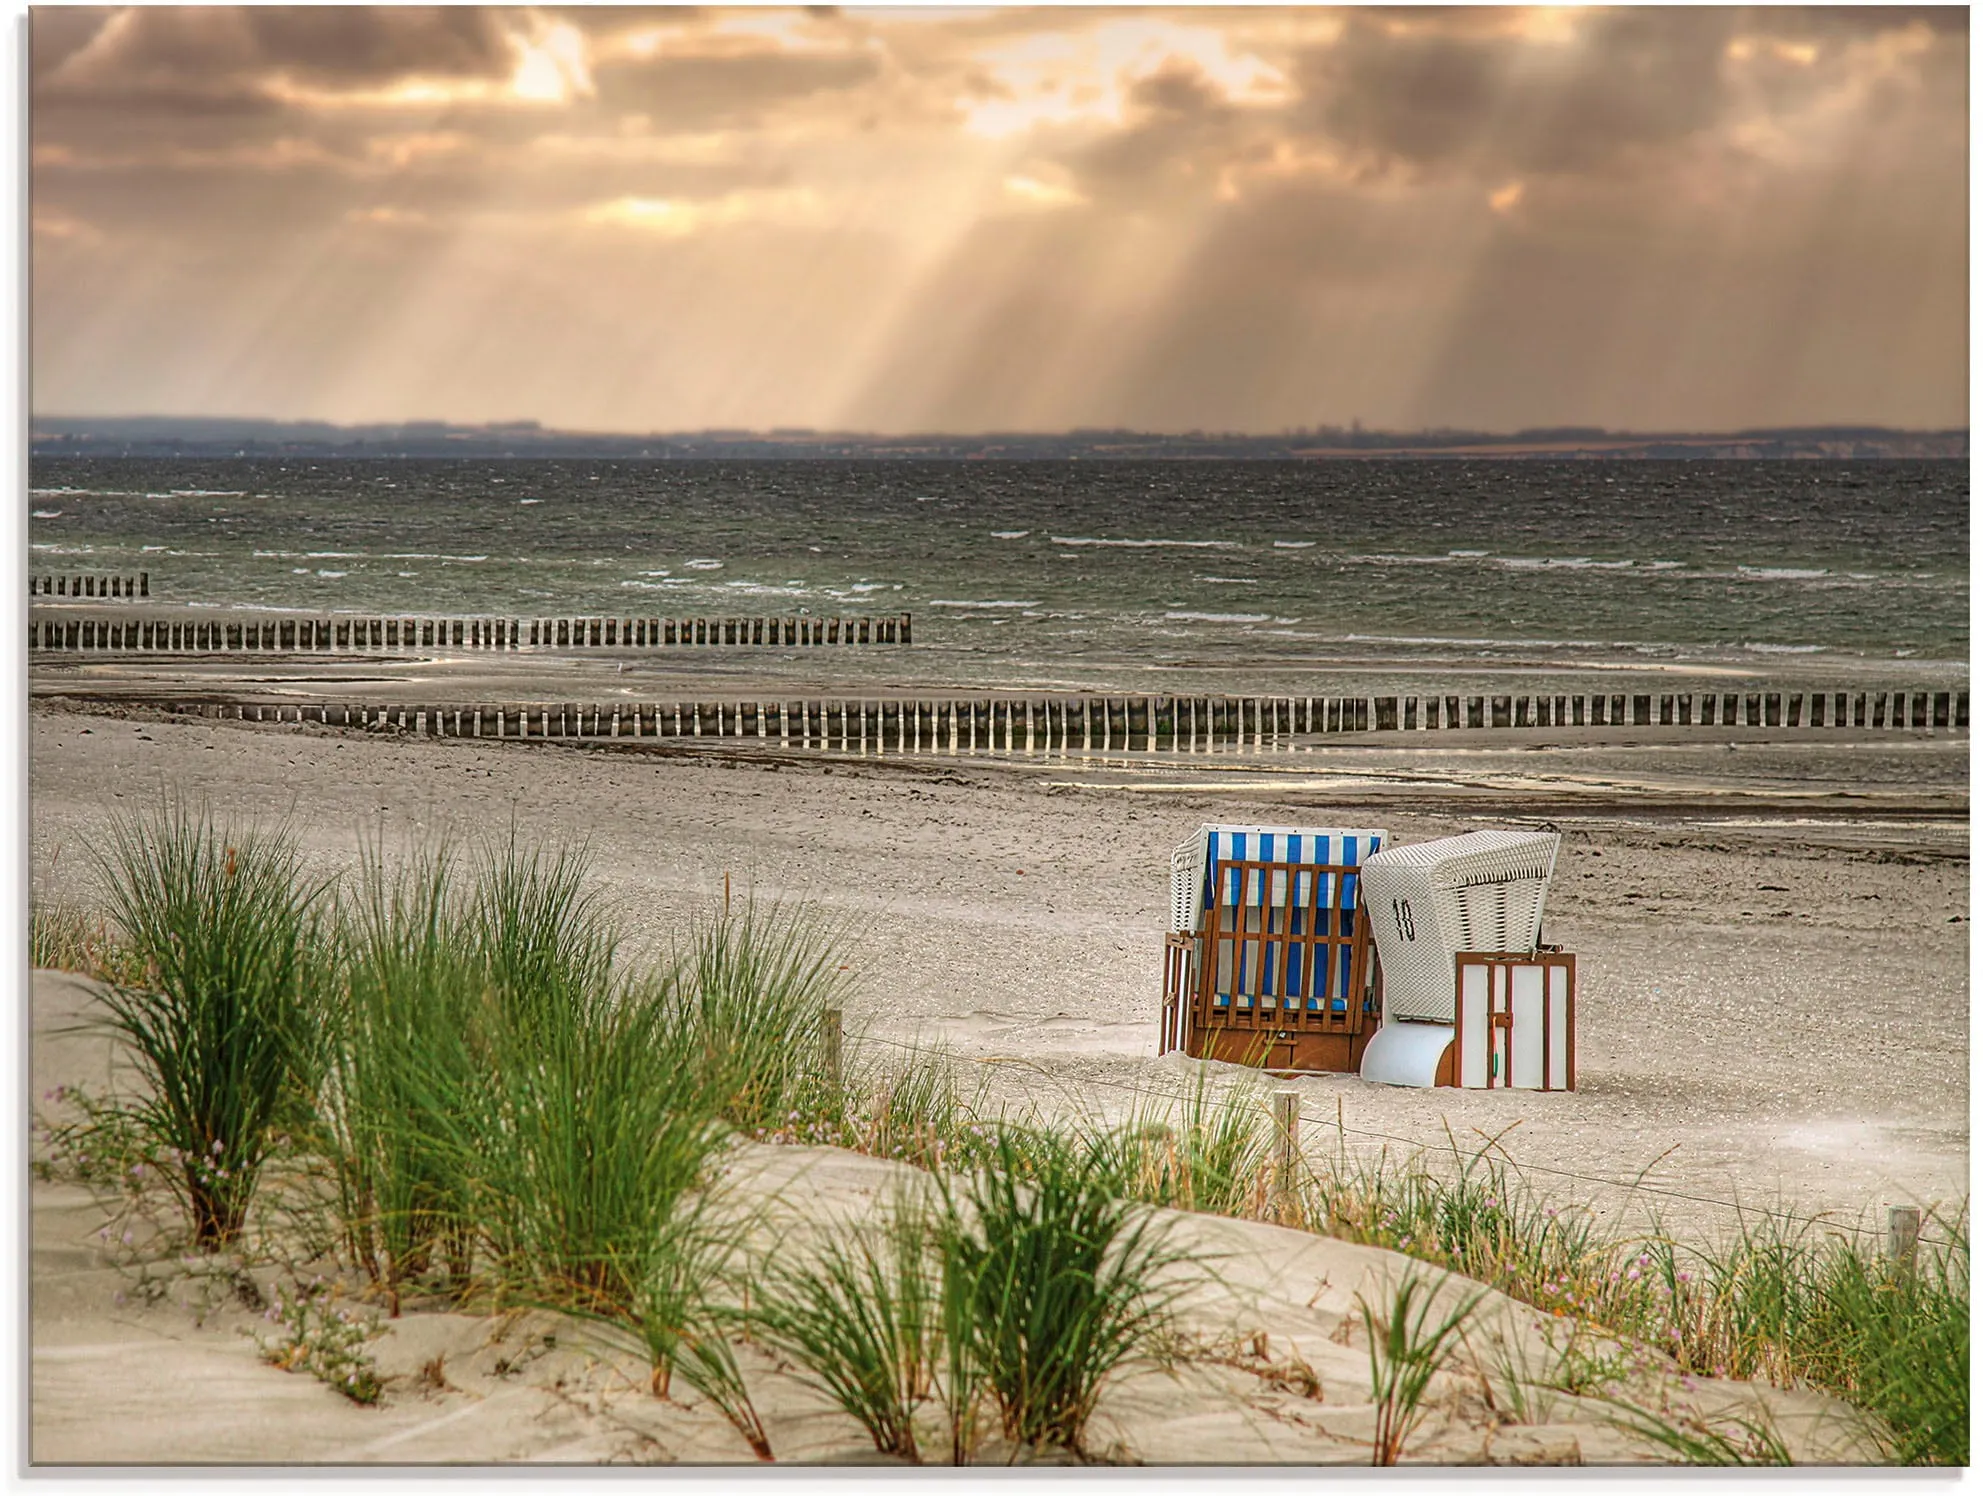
point(1268, 961)
point(1471, 997)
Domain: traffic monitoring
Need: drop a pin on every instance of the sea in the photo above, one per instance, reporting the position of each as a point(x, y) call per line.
point(1128, 575)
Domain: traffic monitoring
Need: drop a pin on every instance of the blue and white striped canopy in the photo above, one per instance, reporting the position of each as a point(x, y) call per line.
point(1313, 848)
point(1275, 976)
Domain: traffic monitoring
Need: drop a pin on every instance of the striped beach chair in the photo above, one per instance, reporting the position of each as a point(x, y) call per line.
point(1268, 958)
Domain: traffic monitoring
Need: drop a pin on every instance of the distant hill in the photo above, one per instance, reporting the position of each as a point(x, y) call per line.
point(189, 436)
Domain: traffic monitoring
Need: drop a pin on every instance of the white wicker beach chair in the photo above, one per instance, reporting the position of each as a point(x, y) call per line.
point(1429, 902)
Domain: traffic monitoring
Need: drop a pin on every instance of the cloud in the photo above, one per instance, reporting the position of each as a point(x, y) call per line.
point(1244, 217)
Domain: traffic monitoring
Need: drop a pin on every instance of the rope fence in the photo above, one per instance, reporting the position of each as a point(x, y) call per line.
point(1423, 1146)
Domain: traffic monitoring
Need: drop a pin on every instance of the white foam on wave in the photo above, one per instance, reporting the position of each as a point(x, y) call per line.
point(1146, 545)
point(1466, 555)
point(62, 550)
point(428, 556)
point(1230, 581)
point(331, 574)
point(1562, 563)
point(1445, 639)
point(1784, 649)
point(530, 501)
point(45, 513)
point(999, 602)
point(202, 493)
point(766, 589)
point(1783, 573)
point(1190, 617)
point(703, 563)
point(1294, 545)
point(1010, 534)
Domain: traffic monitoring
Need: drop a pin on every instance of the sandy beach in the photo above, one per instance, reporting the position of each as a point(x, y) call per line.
point(1773, 975)
point(1773, 1005)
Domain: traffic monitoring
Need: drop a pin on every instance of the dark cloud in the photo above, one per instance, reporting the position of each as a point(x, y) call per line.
point(1180, 131)
point(344, 44)
point(202, 60)
point(692, 92)
point(57, 32)
point(1630, 83)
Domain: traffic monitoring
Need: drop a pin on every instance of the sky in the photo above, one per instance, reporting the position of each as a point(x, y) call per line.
point(1003, 219)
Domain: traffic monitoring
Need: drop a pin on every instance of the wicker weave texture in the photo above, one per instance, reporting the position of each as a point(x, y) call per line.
point(1428, 902)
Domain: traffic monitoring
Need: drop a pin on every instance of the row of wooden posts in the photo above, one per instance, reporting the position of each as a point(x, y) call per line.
point(222, 636)
point(1122, 723)
point(84, 585)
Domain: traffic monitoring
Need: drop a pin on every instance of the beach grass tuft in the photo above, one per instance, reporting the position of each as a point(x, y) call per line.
point(1052, 1282)
point(224, 1027)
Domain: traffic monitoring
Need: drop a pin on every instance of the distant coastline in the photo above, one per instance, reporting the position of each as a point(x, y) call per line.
point(220, 437)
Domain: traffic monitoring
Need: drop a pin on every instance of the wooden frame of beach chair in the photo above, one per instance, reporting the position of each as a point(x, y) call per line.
point(1514, 1022)
point(1278, 975)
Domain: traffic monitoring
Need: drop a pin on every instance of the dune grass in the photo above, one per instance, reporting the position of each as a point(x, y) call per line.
point(1408, 1346)
point(224, 1027)
point(1797, 1303)
point(1052, 1281)
point(1203, 1152)
point(862, 1319)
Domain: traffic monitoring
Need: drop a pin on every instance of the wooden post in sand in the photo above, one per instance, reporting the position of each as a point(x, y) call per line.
point(830, 1046)
point(1903, 1234)
point(1287, 1127)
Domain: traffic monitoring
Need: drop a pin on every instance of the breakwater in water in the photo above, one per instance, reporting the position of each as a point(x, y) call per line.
point(181, 635)
point(80, 584)
point(1125, 723)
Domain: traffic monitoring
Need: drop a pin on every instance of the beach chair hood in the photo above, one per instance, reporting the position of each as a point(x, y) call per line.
point(1193, 860)
point(1432, 900)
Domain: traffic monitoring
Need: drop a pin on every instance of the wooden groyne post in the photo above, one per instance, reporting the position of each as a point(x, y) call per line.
point(1109, 724)
point(133, 586)
point(63, 629)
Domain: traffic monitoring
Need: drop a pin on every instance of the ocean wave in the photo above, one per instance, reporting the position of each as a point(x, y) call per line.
point(1386, 558)
point(1466, 555)
point(1217, 617)
point(860, 587)
point(1230, 581)
point(1560, 563)
point(1783, 573)
point(332, 574)
point(333, 555)
point(1449, 640)
point(427, 556)
point(1146, 545)
point(1001, 602)
point(1294, 545)
point(1784, 649)
point(44, 513)
point(703, 563)
point(763, 589)
point(202, 493)
point(62, 550)
point(530, 501)
point(1010, 534)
